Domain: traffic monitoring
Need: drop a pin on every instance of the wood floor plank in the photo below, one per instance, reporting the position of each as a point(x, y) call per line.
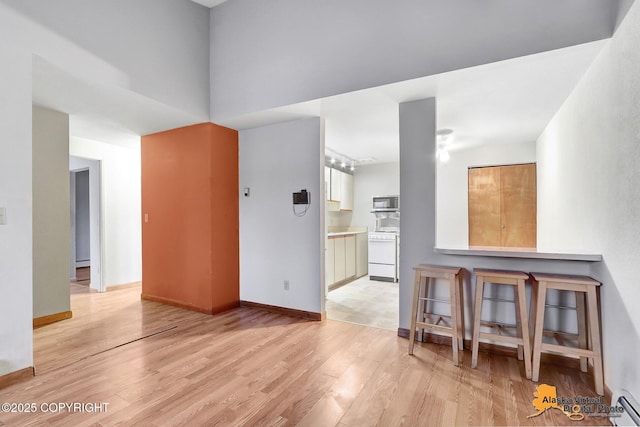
point(160, 365)
point(336, 401)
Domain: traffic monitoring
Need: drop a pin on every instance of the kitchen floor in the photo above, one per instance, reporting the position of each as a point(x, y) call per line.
point(365, 302)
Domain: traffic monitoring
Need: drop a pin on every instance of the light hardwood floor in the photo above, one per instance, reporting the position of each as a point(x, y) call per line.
point(255, 368)
point(83, 276)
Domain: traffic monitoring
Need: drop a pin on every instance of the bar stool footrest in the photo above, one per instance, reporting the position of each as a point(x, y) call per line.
point(444, 329)
point(502, 338)
point(582, 352)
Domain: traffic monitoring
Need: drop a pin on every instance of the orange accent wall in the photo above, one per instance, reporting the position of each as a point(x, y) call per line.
point(190, 244)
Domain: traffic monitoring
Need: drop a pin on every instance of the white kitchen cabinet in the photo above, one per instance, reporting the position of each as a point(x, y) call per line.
point(332, 206)
point(362, 257)
point(339, 267)
point(336, 185)
point(350, 256)
point(344, 259)
point(329, 273)
point(340, 188)
point(346, 193)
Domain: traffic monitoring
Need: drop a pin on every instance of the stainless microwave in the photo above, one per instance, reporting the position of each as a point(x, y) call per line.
point(385, 204)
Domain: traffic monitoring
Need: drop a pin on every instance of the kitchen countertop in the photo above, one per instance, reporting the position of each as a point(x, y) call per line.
point(517, 253)
point(344, 233)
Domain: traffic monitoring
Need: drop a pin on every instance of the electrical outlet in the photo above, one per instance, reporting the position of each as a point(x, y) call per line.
point(286, 285)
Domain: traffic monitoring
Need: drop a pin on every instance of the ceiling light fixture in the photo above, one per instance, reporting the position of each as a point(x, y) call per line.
point(443, 155)
point(336, 159)
point(444, 132)
point(442, 141)
point(365, 160)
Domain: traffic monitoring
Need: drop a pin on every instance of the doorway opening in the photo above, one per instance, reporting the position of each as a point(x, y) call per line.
point(85, 231)
point(368, 293)
point(81, 228)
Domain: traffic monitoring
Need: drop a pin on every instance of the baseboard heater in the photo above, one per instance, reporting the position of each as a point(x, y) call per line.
point(631, 414)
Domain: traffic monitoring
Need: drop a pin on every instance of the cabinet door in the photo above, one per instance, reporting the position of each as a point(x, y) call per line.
point(518, 206)
point(329, 262)
point(336, 185)
point(346, 202)
point(350, 255)
point(502, 206)
point(339, 267)
point(484, 206)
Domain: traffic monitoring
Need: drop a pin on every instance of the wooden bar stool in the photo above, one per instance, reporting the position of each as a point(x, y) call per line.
point(522, 339)
point(589, 339)
point(424, 274)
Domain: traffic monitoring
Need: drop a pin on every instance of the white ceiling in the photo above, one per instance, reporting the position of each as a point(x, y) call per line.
point(107, 114)
point(209, 3)
point(509, 101)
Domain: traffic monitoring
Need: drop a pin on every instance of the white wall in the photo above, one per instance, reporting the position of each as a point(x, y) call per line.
point(275, 245)
point(301, 50)
point(16, 245)
point(50, 212)
point(121, 207)
point(339, 219)
point(382, 179)
point(452, 186)
point(158, 48)
point(588, 198)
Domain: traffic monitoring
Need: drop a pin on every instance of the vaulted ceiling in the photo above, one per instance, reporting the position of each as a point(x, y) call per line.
point(508, 101)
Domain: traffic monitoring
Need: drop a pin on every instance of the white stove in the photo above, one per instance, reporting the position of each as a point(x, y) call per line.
point(383, 256)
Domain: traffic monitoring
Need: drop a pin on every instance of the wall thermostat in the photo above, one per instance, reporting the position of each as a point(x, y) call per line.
point(301, 198)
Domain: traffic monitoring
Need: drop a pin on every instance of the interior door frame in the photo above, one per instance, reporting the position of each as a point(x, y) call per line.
point(96, 212)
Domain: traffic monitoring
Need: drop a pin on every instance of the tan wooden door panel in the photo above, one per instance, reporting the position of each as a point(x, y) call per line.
point(484, 207)
point(518, 205)
point(502, 206)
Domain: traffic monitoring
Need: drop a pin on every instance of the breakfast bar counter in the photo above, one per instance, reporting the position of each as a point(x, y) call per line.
point(517, 253)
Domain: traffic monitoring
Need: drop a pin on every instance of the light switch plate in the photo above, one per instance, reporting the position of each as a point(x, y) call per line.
point(3, 216)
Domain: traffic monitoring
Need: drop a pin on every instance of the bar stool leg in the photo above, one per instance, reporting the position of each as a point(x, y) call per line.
point(453, 295)
point(532, 313)
point(477, 313)
point(524, 333)
point(423, 304)
point(582, 327)
point(460, 308)
point(414, 310)
point(537, 334)
point(516, 305)
point(594, 329)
